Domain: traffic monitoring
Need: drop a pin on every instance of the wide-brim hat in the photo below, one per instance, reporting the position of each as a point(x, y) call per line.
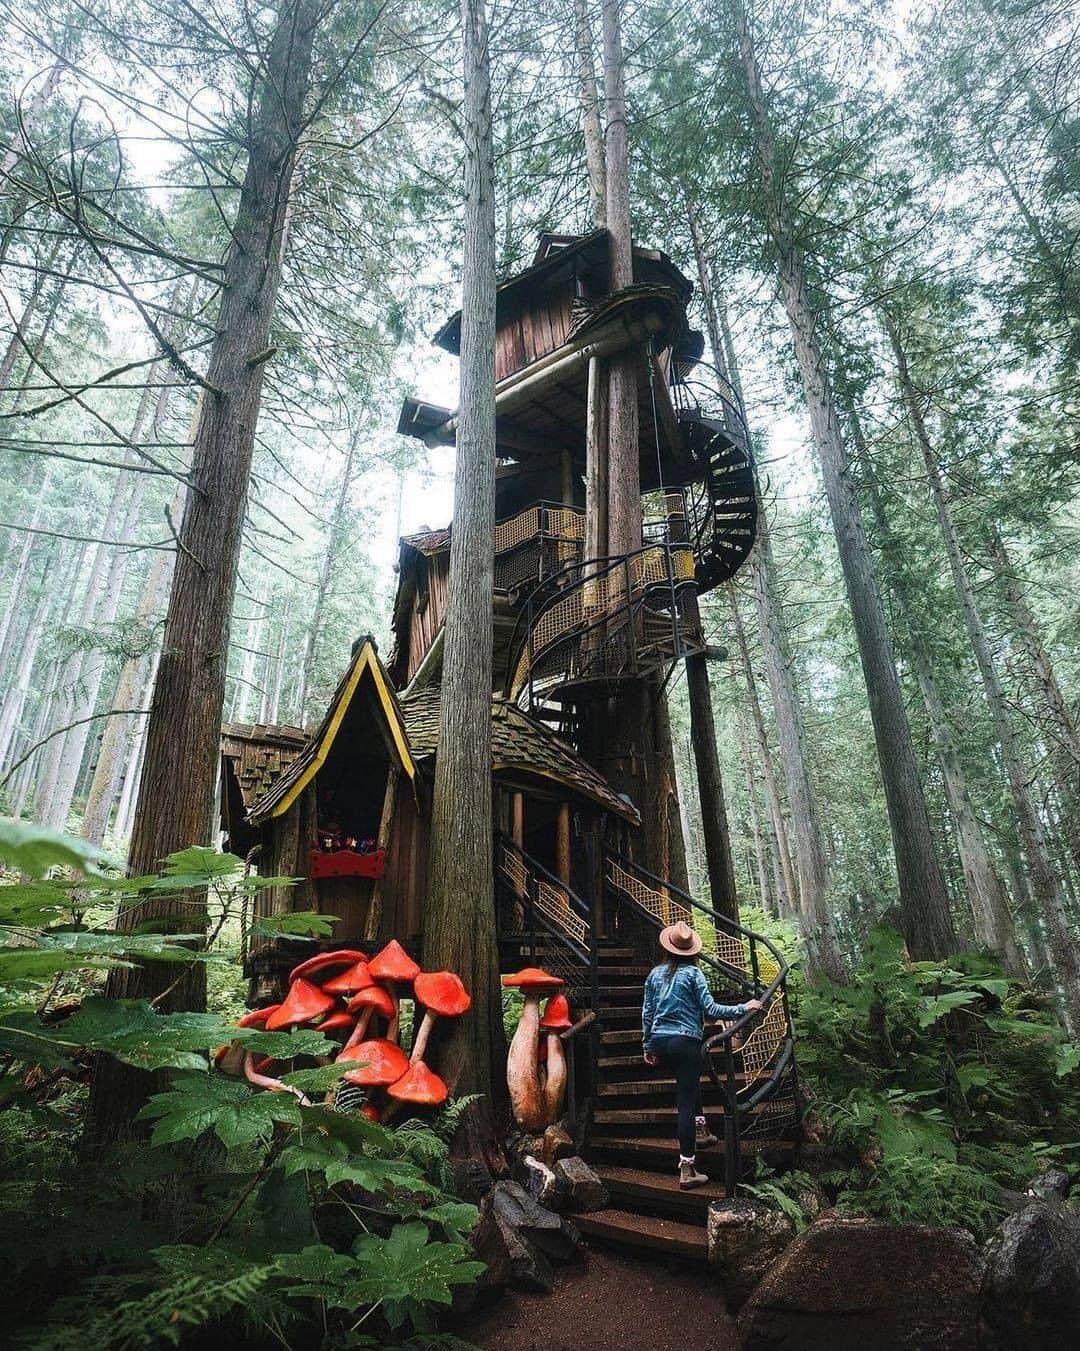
point(680, 940)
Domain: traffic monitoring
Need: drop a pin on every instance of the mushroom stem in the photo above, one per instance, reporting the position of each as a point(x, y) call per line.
point(522, 1076)
point(422, 1037)
point(265, 1081)
point(392, 1030)
point(555, 1083)
point(360, 1029)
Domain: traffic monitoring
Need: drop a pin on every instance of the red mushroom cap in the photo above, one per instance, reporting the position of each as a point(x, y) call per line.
point(370, 1111)
point(336, 1021)
point(326, 961)
point(557, 1014)
point(348, 982)
point(531, 978)
point(419, 1085)
point(374, 997)
point(256, 1017)
point(382, 1062)
point(442, 992)
point(302, 1004)
point(393, 963)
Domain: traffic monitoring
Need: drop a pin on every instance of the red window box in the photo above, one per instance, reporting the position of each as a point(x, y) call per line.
point(347, 863)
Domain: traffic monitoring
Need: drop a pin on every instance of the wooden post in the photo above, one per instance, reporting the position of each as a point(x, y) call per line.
point(562, 843)
point(517, 819)
point(373, 921)
point(714, 823)
point(566, 468)
point(596, 461)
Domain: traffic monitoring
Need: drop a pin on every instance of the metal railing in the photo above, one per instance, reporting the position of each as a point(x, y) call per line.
point(605, 619)
point(752, 1060)
point(543, 538)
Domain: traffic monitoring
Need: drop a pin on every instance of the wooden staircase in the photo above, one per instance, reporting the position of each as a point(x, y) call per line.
point(631, 1143)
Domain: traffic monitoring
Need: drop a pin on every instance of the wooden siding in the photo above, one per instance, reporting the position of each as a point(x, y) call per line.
point(538, 327)
point(428, 609)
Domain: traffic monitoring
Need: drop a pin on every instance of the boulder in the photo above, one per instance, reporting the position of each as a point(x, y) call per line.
point(850, 1284)
point(558, 1144)
point(1050, 1185)
point(511, 1259)
point(582, 1188)
point(745, 1238)
point(1031, 1290)
point(556, 1237)
point(541, 1183)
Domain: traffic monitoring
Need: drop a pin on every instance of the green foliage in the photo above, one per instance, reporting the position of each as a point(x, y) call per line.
point(946, 1080)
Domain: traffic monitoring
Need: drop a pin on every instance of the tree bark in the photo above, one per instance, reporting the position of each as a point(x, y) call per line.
point(459, 921)
point(590, 113)
point(177, 784)
point(924, 901)
point(714, 820)
point(768, 903)
point(1045, 884)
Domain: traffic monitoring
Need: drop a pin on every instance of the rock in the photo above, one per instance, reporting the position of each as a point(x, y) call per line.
point(558, 1144)
point(542, 1184)
point(553, 1235)
point(582, 1188)
point(1031, 1290)
point(511, 1259)
point(1050, 1185)
point(745, 1238)
point(849, 1284)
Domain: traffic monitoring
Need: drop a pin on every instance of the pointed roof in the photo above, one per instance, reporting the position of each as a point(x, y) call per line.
point(365, 675)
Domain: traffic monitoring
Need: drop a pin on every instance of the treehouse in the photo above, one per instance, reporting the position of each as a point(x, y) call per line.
point(589, 860)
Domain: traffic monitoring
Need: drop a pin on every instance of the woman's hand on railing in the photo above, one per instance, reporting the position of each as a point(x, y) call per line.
point(651, 1060)
point(753, 1005)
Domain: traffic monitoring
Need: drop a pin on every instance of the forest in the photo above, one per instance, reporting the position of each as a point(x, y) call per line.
point(228, 235)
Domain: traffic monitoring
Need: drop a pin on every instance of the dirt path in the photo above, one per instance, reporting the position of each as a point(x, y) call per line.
point(613, 1303)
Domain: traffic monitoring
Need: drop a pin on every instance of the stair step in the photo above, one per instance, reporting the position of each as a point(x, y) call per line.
point(622, 995)
point(644, 1116)
point(631, 1061)
point(640, 971)
point(635, 1088)
point(662, 1151)
point(641, 1188)
point(674, 1237)
point(612, 953)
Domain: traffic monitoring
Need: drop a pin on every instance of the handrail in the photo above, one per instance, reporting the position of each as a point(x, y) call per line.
point(580, 946)
point(762, 1039)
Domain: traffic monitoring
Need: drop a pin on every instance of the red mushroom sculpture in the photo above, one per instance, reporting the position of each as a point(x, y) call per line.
point(325, 961)
point(356, 977)
point(393, 967)
point(556, 1019)
point(443, 996)
point(380, 1062)
point(303, 1004)
point(372, 1000)
point(522, 1068)
point(418, 1085)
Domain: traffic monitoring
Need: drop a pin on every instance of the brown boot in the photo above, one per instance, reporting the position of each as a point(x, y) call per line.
point(689, 1176)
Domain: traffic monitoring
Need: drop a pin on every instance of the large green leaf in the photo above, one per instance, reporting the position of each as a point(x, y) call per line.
point(409, 1267)
point(235, 1112)
point(295, 923)
point(132, 1031)
point(33, 849)
point(196, 866)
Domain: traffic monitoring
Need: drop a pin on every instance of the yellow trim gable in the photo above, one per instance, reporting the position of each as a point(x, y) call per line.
point(366, 660)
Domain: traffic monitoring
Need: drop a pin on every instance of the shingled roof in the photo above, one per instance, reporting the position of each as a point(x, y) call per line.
point(520, 744)
point(258, 754)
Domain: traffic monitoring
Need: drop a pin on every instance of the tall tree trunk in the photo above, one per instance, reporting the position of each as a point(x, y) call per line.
point(986, 894)
point(19, 686)
point(15, 603)
point(326, 572)
point(714, 820)
point(176, 788)
point(1045, 884)
point(590, 113)
point(459, 919)
point(22, 324)
point(765, 896)
point(924, 900)
point(772, 787)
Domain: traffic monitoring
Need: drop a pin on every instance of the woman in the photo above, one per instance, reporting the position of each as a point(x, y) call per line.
point(677, 1003)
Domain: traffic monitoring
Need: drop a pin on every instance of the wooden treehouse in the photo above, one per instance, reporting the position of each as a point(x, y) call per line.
point(589, 861)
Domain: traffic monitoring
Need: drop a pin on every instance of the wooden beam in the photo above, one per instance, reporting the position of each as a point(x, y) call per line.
point(562, 843)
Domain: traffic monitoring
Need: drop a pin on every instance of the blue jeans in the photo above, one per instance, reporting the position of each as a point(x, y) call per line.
point(682, 1057)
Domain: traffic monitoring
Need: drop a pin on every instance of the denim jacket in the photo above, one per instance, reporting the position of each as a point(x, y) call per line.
point(678, 1002)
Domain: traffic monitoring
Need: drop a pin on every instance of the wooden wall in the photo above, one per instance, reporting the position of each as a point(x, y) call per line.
point(536, 329)
point(428, 609)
